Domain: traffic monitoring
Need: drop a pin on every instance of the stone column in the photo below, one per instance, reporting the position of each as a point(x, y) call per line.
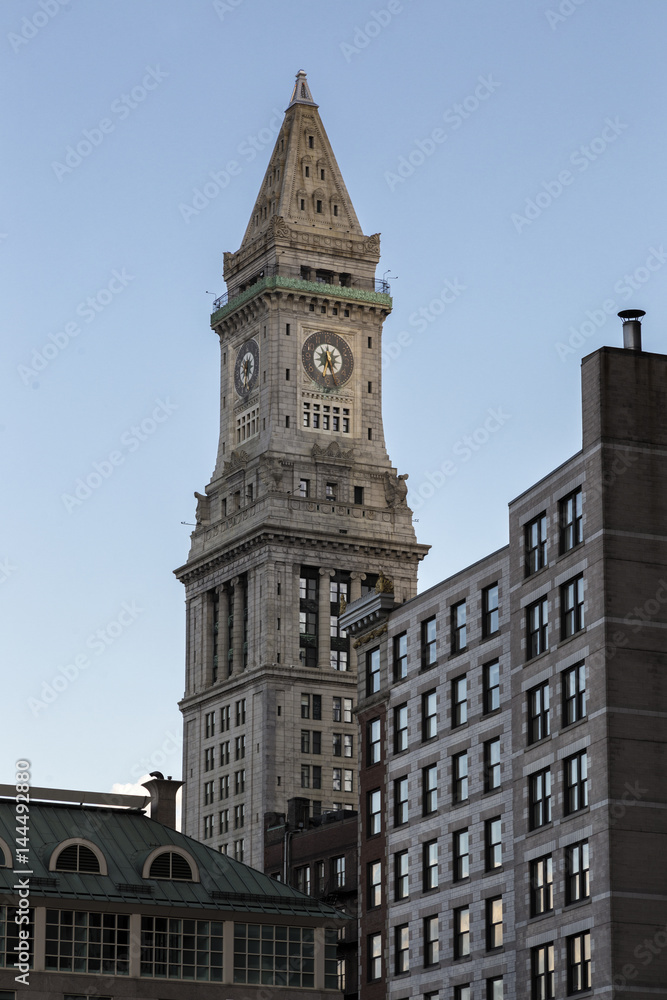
point(223, 632)
point(237, 635)
point(324, 619)
point(355, 585)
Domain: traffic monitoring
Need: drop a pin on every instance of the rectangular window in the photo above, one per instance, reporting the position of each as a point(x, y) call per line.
point(539, 723)
point(574, 694)
point(572, 607)
point(539, 794)
point(374, 947)
point(83, 942)
point(493, 844)
point(320, 877)
point(239, 816)
point(239, 748)
point(492, 764)
point(494, 923)
point(460, 777)
point(224, 753)
point(491, 686)
point(358, 493)
point(541, 886)
point(542, 972)
point(536, 544)
point(374, 812)
point(208, 827)
point(576, 782)
point(347, 710)
point(331, 490)
point(428, 643)
point(495, 989)
point(429, 716)
point(317, 777)
point(579, 963)
point(537, 622)
point(401, 875)
point(209, 759)
point(239, 781)
point(337, 743)
point(224, 786)
point(303, 879)
point(400, 801)
point(461, 855)
point(167, 949)
point(348, 745)
point(577, 874)
point(430, 865)
point(373, 744)
point(274, 942)
point(305, 741)
point(348, 779)
point(209, 724)
point(223, 820)
point(304, 484)
point(571, 521)
point(400, 728)
point(225, 723)
point(372, 671)
point(317, 741)
point(305, 706)
point(373, 884)
point(208, 793)
point(305, 776)
point(400, 657)
point(337, 779)
point(462, 932)
point(402, 948)
point(462, 992)
point(459, 701)
point(431, 941)
point(490, 621)
point(429, 789)
point(339, 871)
point(240, 712)
point(459, 627)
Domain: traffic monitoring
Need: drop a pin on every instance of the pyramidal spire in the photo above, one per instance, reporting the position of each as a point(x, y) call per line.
point(301, 93)
point(303, 184)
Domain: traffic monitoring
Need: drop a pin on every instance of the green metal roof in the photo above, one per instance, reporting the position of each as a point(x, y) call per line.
point(126, 837)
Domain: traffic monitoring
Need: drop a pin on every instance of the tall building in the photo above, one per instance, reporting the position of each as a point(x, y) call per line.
point(303, 509)
point(514, 728)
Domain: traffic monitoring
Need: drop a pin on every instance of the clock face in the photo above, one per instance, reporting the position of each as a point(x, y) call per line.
point(327, 359)
point(246, 370)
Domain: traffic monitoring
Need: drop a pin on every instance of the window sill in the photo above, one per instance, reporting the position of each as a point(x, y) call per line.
point(540, 916)
point(573, 725)
point(538, 656)
point(458, 652)
point(538, 572)
point(540, 829)
point(491, 635)
point(576, 813)
point(568, 552)
point(539, 743)
point(575, 635)
point(576, 904)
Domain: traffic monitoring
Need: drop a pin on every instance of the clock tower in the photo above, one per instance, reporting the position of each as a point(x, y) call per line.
point(304, 509)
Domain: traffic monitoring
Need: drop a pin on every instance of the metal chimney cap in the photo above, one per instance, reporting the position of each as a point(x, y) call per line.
point(628, 314)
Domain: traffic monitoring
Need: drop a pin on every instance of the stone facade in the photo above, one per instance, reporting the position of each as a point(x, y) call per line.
point(578, 702)
point(303, 509)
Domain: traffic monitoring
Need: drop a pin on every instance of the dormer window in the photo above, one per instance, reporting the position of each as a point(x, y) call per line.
point(170, 865)
point(78, 858)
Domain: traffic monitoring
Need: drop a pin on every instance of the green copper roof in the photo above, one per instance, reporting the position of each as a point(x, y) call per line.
point(126, 837)
point(298, 284)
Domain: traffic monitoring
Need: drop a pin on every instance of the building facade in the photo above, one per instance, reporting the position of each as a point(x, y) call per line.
point(304, 509)
point(106, 902)
point(514, 727)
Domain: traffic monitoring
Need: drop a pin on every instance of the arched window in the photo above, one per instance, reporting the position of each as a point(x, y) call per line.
point(78, 858)
point(5, 855)
point(170, 865)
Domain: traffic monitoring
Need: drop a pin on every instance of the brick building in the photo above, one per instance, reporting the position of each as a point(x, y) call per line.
point(514, 728)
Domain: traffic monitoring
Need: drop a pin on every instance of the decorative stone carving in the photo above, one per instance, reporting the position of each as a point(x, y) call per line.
point(372, 244)
point(332, 451)
point(395, 489)
point(237, 460)
point(271, 474)
point(385, 584)
point(279, 227)
point(203, 513)
point(375, 634)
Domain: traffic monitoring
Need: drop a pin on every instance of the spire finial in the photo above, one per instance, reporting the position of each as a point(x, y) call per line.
point(301, 93)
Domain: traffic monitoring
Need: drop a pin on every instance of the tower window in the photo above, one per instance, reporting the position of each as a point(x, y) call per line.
point(311, 142)
point(370, 341)
point(370, 386)
point(307, 171)
point(323, 309)
point(287, 330)
point(358, 494)
point(302, 204)
point(286, 421)
point(346, 312)
point(331, 491)
point(318, 207)
point(304, 489)
point(311, 307)
point(335, 209)
point(370, 433)
point(287, 374)
point(321, 175)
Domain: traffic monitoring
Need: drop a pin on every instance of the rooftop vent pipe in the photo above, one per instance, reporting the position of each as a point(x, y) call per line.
point(632, 328)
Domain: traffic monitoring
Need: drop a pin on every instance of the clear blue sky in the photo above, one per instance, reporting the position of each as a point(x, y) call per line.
point(447, 120)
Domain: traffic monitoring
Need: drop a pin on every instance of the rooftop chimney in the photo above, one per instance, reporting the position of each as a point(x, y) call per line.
point(632, 328)
point(163, 798)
